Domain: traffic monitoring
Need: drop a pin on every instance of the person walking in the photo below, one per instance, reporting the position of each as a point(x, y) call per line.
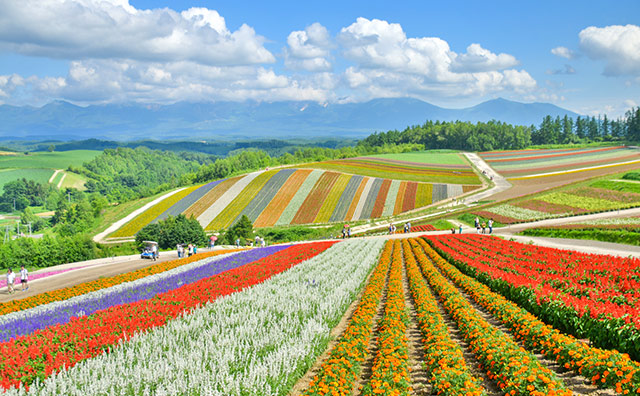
point(409, 226)
point(190, 250)
point(477, 223)
point(195, 249)
point(490, 226)
point(237, 242)
point(24, 278)
point(460, 229)
point(484, 226)
point(348, 231)
point(154, 252)
point(11, 277)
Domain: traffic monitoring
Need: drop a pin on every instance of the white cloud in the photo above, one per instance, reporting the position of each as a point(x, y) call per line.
point(85, 29)
point(388, 63)
point(309, 49)
point(618, 46)
point(478, 59)
point(630, 103)
point(564, 52)
point(8, 83)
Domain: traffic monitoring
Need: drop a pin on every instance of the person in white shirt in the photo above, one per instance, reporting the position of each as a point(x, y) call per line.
point(24, 278)
point(11, 277)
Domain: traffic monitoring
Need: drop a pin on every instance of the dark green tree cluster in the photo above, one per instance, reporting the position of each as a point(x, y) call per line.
point(242, 229)
point(566, 130)
point(18, 194)
point(173, 231)
point(47, 251)
point(124, 174)
point(458, 135)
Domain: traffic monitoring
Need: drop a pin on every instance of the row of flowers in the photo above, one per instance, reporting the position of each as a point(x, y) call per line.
point(44, 352)
point(390, 371)
point(98, 284)
point(516, 371)
point(59, 312)
point(597, 279)
point(41, 275)
point(605, 368)
point(146, 217)
point(340, 371)
point(257, 341)
point(444, 358)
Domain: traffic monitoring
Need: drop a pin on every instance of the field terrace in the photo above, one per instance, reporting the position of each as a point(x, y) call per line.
point(532, 163)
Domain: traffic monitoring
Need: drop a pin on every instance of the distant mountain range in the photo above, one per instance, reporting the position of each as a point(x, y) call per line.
point(64, 121)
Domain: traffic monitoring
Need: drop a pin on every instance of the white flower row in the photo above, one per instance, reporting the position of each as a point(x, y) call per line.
point(614, 221)
point(99, 295)
point(255, 342)
point(522, 213)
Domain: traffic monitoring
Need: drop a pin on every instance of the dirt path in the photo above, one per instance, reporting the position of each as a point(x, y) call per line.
point(372, 347)
point(419, 376)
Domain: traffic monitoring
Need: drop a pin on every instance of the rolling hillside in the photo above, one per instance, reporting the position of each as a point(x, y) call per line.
point(295, 196)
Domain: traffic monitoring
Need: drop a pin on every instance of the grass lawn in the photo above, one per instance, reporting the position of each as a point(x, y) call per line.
point(439, 157)
point(73, 180)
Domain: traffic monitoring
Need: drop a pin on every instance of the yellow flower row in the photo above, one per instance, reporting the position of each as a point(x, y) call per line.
point(146, 217)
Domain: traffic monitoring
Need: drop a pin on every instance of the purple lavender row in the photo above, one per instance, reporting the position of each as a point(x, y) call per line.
point(25, 322)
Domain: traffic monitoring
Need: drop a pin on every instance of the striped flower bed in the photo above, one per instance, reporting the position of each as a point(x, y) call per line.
point(256, 341)
point(290, 196)
point(331, 201)
point(311, 205)
point(276, 207)
point(144, 218)
point(26, 322)
point(231, 211)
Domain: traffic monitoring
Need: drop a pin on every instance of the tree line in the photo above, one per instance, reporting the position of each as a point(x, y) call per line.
point(496, 135)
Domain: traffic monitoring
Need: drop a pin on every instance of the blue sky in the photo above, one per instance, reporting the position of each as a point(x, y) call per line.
point(584, 56)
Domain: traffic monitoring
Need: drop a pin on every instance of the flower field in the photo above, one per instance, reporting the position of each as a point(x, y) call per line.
point(256, 322)
point(531, 163)
point(295, 196)
point(599, 196)
point(86, 336)
point(394, 167)
point(592, 296)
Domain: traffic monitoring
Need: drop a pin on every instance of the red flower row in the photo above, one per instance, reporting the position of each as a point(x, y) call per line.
point(44, 352)
point(605, 368)
point(516, 371)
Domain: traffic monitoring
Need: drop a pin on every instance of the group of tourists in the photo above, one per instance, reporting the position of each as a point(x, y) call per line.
point(483, 226)
point(191, 250)
point(346, 231)
point(11, 279)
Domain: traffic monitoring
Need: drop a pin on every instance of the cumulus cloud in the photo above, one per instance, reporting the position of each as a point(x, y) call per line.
point(564, 52)
point(618, 46)
point(309, 49)
point(86, 29)
point(388, 63)
point(478, 59)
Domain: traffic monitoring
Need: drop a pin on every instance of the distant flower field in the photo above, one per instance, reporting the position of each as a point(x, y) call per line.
point(529, 163)
point(295, 196)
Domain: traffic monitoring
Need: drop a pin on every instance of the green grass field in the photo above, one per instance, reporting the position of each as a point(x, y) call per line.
point(54, 160)
point(39, 175)
point(40, 166)
point(439, 157)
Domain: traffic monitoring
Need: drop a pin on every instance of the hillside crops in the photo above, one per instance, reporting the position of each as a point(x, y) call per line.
point(458, 173)
point(599, 196)
point(295, 196)
point(539, 163)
